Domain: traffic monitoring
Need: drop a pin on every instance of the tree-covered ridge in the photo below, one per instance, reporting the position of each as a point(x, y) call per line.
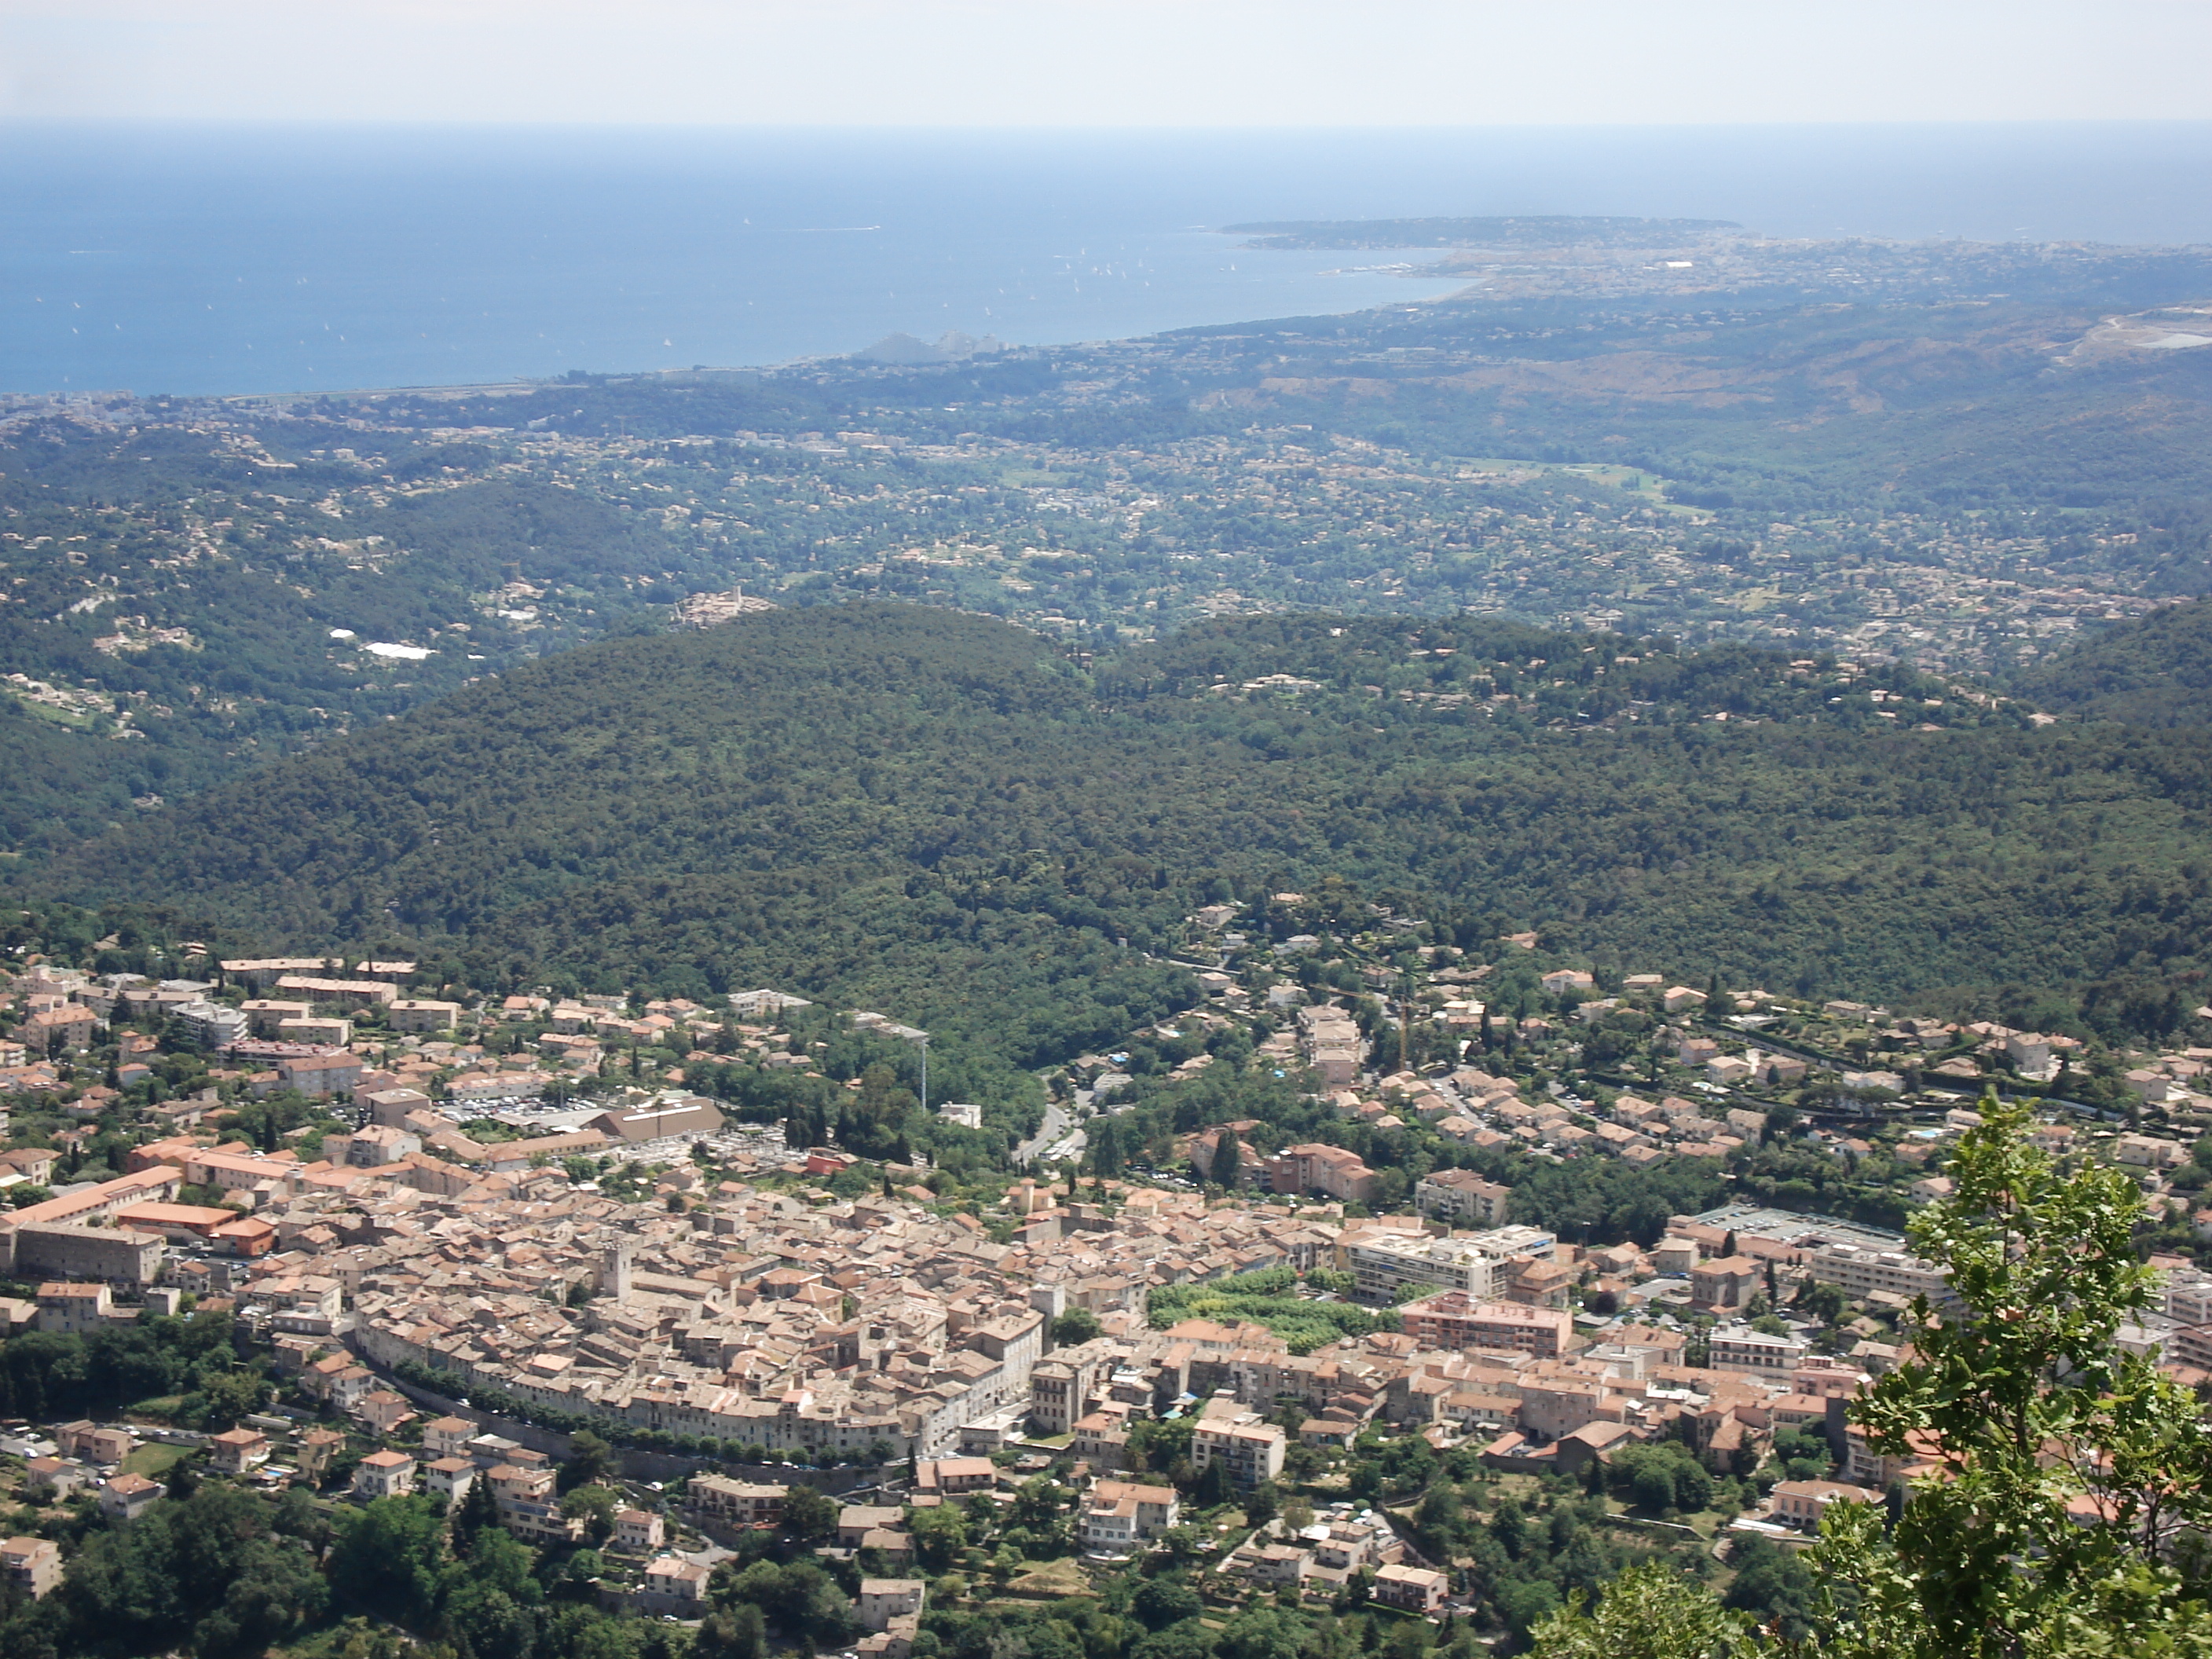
point(2155, 672)
point(172, 603)
point(1945, 455)
point(888, 803)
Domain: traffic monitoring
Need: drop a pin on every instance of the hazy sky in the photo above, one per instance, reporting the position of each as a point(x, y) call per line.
point(1113, 63)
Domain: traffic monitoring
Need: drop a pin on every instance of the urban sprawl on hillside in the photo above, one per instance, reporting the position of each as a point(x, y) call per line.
point(1342, 1207)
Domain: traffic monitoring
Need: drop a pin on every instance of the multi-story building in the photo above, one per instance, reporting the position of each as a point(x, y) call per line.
point(69, 1026)
point(1726, 1283)
point(237, 1451)
point(31, 1567)
point(1329, 1170)
point(1102, 1440)
point(211, 1024)
point(1120, 1515)
point(1061, 1388)
point(86, 1206)
point(1738, 1348)
point(449, 1477)
point(1539, 1283)
point(1800, 1503)
point(1557, 1399)
point(2190, 1345)
point(1860, 1273)
point(1461, 1198)
point(346, 993)
point(1249, 1451)
point(104, 1447)
point(2148, 1152)
point(234, 1170)
point(673, 1586)
point(736, 1503)
point(263, 1015)
point(316, 1449)
point(119, 1255)
point(448, 1437)
point(1451, 1319)
point(882, 1600)
point(856, 1521)
point(1381, 1263)
point(74, 1309)
point(127, 1496)
point(1865, 1467)
point(1410, 1589)
point(952, 1476)
point(421, 1014)
point(529, 1506)
point(321, 1075)
point(384, 1474)
point(1332, 1044)
point(638, 1530)
point(2186, 1296)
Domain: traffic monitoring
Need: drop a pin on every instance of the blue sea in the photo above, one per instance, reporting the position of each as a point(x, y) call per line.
point(242, 259)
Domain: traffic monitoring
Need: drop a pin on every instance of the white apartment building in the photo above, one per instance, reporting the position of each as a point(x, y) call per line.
point(1462, 1198)
point(1739, 1348)
point(1380, 1263)
point(1248, 1450)
point(1380, 1266)
point(1860, 1273)
point(2188, 1298)
point(1122, 1514)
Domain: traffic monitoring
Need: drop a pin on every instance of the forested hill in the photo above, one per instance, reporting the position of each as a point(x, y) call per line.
point(2156, 671)
point(947, 815)
point(1933, 452)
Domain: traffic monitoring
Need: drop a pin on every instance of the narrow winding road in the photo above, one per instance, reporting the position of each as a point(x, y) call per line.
point(1055, 1125)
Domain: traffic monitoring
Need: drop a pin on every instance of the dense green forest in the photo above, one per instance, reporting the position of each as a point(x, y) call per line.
point(950, 815)
point(1943, 455)
point(2157, 672)
point(121, 539)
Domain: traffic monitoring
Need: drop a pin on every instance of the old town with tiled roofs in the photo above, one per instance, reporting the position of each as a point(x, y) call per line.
point(477, 1249)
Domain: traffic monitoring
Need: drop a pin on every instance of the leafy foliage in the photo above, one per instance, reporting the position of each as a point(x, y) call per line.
point(1264, 1298)
point(941, 813)
point(2063, 1471)
point(2155, 672)
point(45, 1374)
point(2061, 1481)
point(1650, 1612)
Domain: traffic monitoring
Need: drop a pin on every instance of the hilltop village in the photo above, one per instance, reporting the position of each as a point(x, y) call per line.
point(1324, 1221)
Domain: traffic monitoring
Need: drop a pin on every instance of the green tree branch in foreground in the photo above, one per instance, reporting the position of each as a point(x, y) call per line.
point(1650, 1612)
point(2062, 1484)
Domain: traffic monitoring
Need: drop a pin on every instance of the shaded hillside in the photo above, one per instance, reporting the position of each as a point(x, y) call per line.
point(943, 812)
point(1784, 406)
point(189, 589)
point(2155, 672)
point(64, 784)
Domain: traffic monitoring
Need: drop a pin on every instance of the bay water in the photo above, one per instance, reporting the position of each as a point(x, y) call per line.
point(209, 259)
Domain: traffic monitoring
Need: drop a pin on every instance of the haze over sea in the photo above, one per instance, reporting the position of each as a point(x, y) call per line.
point(206, 259)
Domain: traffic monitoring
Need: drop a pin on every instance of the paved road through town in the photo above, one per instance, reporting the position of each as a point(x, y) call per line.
point(1049, 1134)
